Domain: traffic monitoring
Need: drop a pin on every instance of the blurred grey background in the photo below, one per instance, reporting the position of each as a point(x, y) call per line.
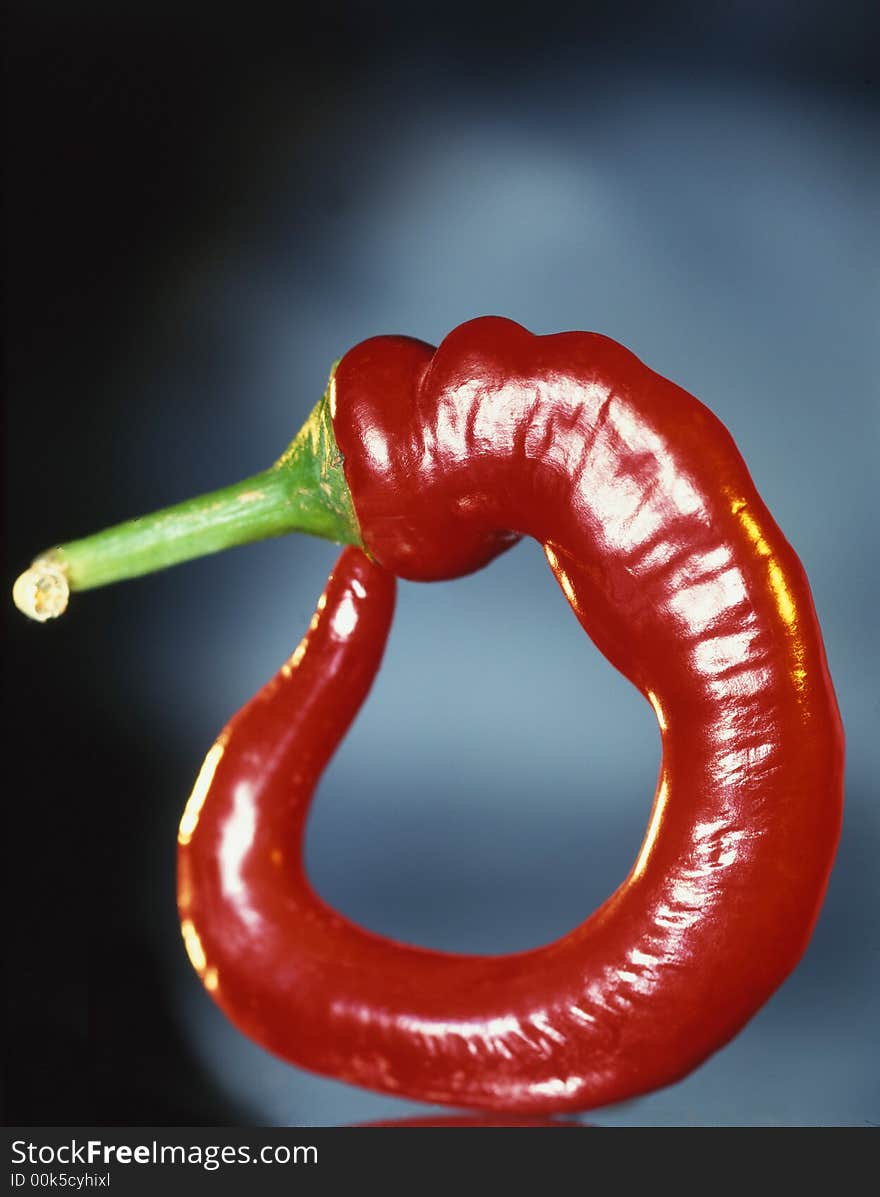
point(203, 213)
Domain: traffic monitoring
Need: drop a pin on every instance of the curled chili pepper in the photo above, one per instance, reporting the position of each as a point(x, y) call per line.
point(676, 570)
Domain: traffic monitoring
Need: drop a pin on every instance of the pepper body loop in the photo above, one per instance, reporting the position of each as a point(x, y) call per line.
point(675, 568)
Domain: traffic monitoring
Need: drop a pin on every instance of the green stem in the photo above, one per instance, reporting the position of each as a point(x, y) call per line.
point(305, 491)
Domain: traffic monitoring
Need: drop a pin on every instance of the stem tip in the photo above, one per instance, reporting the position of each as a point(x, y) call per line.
point(42, 591)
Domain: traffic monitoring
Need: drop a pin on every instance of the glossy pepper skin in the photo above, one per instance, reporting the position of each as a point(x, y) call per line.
point(675, 568)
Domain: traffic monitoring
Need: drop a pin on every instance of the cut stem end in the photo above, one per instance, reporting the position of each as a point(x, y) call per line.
point(42, 591)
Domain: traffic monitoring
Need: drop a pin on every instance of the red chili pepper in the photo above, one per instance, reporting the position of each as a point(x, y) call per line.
point(675, 568)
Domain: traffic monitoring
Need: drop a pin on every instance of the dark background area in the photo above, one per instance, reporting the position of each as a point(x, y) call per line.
point(202, 212)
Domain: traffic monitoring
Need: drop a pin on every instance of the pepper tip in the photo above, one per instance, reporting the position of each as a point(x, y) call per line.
point(42, 591)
